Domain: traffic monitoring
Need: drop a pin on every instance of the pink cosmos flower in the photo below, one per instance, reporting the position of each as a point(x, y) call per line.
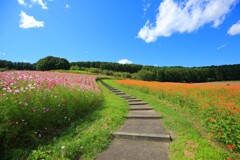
point(34, 110)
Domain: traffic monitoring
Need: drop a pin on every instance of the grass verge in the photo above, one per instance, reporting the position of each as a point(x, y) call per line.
point(191, 141)
point(87, 137)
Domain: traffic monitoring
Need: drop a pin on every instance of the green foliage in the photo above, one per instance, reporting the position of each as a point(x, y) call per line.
point(52, 63)
point(76, 67)
point(119, 75)
point(3, 69)
point(145, 75)
point(94, 70)
point(73, 71)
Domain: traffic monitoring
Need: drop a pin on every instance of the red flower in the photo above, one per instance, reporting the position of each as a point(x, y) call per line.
point(233, 146)
point(228, 158)
point(229, 146)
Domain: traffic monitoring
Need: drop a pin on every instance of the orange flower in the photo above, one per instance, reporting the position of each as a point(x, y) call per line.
point(229, 146)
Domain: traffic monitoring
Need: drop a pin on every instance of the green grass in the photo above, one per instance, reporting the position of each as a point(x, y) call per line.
point(88, 137)
point(191, 141)
point(3, 69)
point(74, 71)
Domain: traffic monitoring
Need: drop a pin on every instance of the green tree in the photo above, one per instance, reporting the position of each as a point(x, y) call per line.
point(52, 63)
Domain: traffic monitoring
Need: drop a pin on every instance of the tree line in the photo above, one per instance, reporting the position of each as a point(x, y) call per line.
point(8, 65)
point(195, 74)
point(116, 67)
point(44, 64)
point(164, 74)
point(134, 71)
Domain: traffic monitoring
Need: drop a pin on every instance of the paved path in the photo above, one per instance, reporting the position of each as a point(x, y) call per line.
point(142, 137)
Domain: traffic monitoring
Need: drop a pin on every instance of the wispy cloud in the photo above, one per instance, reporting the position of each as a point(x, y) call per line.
point(145, 8)
point(235, 29)
point(36, 2)
point(41, 3)
point(22, 2)
point(67, 6)
point(27, 21)
point(2, 54)
point(222, 46)
point(125, 61)
point(25, 61)
point(185, 16)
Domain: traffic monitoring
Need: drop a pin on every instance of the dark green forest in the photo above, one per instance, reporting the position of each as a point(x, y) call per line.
point(165, 74)
point(134, 71)
point(8, 65)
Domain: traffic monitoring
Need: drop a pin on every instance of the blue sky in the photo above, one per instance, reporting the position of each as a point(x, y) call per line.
point(149, 32)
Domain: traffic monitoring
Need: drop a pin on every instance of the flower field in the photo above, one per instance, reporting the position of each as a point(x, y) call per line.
point(34, 105)
point(217, 106)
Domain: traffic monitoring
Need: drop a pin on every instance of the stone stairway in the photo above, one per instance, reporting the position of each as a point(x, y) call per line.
point(142, 137)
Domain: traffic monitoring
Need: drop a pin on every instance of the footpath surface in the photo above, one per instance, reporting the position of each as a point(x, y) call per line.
point(142, 137)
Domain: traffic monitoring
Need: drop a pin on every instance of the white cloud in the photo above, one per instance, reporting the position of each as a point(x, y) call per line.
point(235, 29)
point(2, 54)
point(41, 3)
point(25, 61)
point(222, 46)
point(67, 6)
point(27, 21)
point(185, 16)
point(124, 61)
point(21, 2)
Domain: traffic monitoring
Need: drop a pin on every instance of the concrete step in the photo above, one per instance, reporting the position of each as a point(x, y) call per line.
point(138, 103)
point(142, 112)
point(120, 93)
point(134, 100)
point(143, 116)
point(129, 98)
point(146, 126)
point(125, 149)
point(116, 91)
point(143, 136)
point(140, 108)
point(113, 89)
point(125, 96)
point(141, 105)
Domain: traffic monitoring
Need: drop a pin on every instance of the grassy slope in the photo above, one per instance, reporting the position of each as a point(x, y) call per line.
point(74, 71)
point(191, 141)
point(87, 138)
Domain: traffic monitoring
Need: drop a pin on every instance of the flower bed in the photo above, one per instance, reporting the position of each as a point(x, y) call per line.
point(36, 104)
